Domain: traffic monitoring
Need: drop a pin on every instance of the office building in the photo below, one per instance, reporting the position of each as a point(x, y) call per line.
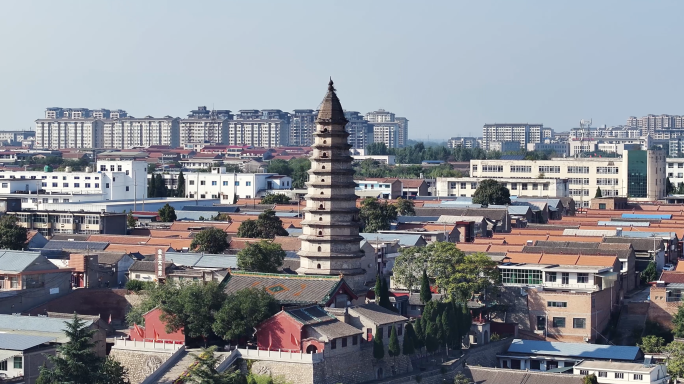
point(466, 186)
point(637, 174)
point(302, 126)
point(522, 133)
point(219, 184)
point(52, 222)
point(131, 132)
point(560, 149)
point(504, 146)
point(360, 131)
point(463, 142)
point(268, 128)
point(205, 126)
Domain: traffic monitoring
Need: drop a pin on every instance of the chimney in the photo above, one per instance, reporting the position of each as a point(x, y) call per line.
point(618, 232)
point(530, 243)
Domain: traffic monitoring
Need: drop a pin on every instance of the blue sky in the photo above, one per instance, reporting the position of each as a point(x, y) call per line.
point(448, 66)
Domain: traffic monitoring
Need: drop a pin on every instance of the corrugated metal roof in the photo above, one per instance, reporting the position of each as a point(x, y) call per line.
point(18, 342)
point(624, 223)
point(416, 219)
point(211, 209)
point(589, 232)
point(17, 261)
point(35, 323)
point(646, 216)
point(404, 239)
point(587, 351)
point(84, 245)
point(199, 260)
point(667, 235)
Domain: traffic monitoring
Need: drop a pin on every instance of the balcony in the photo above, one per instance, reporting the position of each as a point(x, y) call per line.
point(571, 287)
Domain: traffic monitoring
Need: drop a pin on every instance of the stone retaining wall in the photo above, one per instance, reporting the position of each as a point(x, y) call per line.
point(140, 364)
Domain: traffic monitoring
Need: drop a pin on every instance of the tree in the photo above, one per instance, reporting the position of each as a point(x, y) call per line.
point(376, 216)
point(425, 293)
point(408, 266)
point(405, 207)
point(263, 256)
point(590, 379)
point(460, 378)
point(160, 186)
point(266, 226)
point(77, 363)
point(300, 168)
point(378, 345)
point(130, 220)
point(203, 371)
point(675, 359)
point(275, 198)
point(210, 240)
point(382, 293)
point(419, 340)
point(12, 236)
point(407, 347)
point(393, 348)
point(222, 217)
point(152, 186)
point(490, 192)
point(678, 322)
point(180, 188)
point(650, 273)
point(242, 311)
point(598, 193)
point(280, 167)
point(167, 213)
point(431, 342)
point(652, 344)
point(192, 307)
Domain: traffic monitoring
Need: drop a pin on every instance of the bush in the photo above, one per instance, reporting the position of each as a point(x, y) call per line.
point(137, 285)
point(495, 337)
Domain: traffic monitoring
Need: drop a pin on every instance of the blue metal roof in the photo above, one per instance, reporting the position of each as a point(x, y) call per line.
point(646, 216)
point(294, 231)
point(17, 261)
point(581, 350)
point(35, 323)
point(624, 223)
point(19, 342)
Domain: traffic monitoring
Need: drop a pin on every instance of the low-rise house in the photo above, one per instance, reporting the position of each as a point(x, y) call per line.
point(666, 297)
point(147, 270)
point(485, 375)
point(154, 330)
point(22, 355)
point(535, 355)
point(380, 188)
point(612, 372)
point(376, 321)
point(411, 188)
point(309, 329)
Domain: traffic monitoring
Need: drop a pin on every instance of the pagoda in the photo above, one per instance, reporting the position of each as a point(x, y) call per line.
point(330, 239)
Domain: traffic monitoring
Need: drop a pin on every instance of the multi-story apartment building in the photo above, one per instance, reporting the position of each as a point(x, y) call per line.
point(268, 128)
point(638, 174)
point(302, 126)
point(205, 126)
point(651, 123)
point(561, 149)
point(466, 186)
point(610, 145)
point(15, 137)
point(567, 298)
point(131, 132)
point(522, 133)
point(388, 129)
point(504, 146)
point(463, 142)
point(50, 222)
point(360, 131)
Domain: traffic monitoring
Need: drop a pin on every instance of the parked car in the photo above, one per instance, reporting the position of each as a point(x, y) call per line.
point(668, 267)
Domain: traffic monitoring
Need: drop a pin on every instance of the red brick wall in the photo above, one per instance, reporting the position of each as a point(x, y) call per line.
point(280, 332)
point(659, 310)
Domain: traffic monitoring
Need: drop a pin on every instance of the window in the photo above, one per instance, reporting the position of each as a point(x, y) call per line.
point(619, 375)
point(579, 323)
point(344, 342)
point(77, 185)
point(523, 186)
point(463, 185)
point(545, 187)
point(103, 168)
point(333, 344)
point(541, 323)
point(14, 282)
point(237, 183)
point(474, 168)
point(203, 182)
point(473, 185)
point(602, 205)
point(492, 168)
point(192, 182)
point(4, 185)
point(584, 372)
point(118, 168)
point(514, 186)
point(638, 376)
point(354, 340)
point(225, 183)
point(603, 374)
point(126, 188)
point(607, 170)
point(565, 278)
point(549, 169)
point(557, 304)
point(87, 185)
point(550, 277)
point(521, 168)
point(521, 276)
point(65, 200)
point(3, 365)
point(574, 169)
point(18, 363)
point(559, 322)
point(582, 278)
point(535, 186)
point(65, 185)
point(248, 183)
point(127, 171)
point(41, 184)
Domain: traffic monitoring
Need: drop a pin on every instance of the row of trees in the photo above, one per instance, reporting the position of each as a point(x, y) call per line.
point(205, 310)
point(156, 187)
point(378, 215)
point(417, 153)
point(297, 169)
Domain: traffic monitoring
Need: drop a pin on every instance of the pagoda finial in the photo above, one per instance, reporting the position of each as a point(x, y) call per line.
point(330, 85)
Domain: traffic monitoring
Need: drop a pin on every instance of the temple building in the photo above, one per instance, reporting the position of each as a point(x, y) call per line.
point(330, 240)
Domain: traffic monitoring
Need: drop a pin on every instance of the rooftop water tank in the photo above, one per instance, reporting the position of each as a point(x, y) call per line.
point(47, 168)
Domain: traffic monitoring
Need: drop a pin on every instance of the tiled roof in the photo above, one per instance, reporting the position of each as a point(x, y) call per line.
point(142, 249)
point(335, 329)
point(109, 258)
point(81, 245)
point(583, 350)
point(18, 261)
point(481, 375)
point(241, 242)
point(312, 314)
point(412, 183)
point(118, 239)
point(672, 277)
point(147, 266)
point(377, 314)
point(159, 233)
point(288, 243)
point(34, 323)
point(288, 289)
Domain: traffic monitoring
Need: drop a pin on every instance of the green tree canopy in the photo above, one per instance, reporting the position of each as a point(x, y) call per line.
point(652, 344)
point(130, 220)
point(263, 256)
point(418, 331)
point(590, 379)
point(650, 273)
point(222, 217)
point(280, 167)
point(204, 371)
point(376, 215)
point(210, 240)
point(405, 207)
point(378, 345)
point(675, 359)
point(12, 236)
point(491, 192)
point(598, 192)
point(266, 226)
point(161, 190)
point(678, 322)
point(167, 213)
point(275, 198)
point(242, 311)
point(192, 307)
point(77, 363)
point(393, 347)
point(425, 293)
point(180, 188)
point(407, 347)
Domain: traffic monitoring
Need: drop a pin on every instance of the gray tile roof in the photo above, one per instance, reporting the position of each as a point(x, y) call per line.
point(336, 329)
point(405, 240)
point(18, 342)
point(414, 298)
point(482, 375)
point(574, 250)
point(198, 260)
point(109, 258)
point(61, 236)
point(146, 266)
point(639, 244)
point(34, 323)
point(288, 289)
point(310, 315)
point(80, 245)
point(489, 213)
point(17, 261)
point(377, 314)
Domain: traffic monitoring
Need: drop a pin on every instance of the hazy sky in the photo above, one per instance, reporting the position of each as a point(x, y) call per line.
point(448, 66)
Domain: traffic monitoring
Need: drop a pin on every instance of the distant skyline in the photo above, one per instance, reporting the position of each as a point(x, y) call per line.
point(448, 66)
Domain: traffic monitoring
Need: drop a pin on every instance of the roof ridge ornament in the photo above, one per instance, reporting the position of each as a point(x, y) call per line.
point(331, 88)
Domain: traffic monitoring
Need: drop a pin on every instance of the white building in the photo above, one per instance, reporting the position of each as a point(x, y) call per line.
point(613, 372)
point(220, 184)
point(268, 128)
point(637, 174)
point(675, 170)
point(388, 129)
point(205, 126)
point(504, 146)
point(387, 133)
point(463, 142)
point(466, 186)
point(81, 133)
point(561, 149)
point(522, 133)
point(130, 132)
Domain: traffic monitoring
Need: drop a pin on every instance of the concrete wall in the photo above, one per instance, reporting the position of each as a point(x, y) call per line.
point(95, 302)
point(140, 364)
point(56, 285)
